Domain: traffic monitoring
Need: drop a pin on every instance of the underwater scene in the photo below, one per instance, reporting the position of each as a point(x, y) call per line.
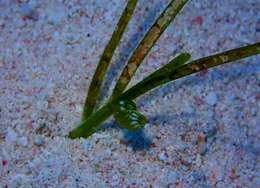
point(129, 93)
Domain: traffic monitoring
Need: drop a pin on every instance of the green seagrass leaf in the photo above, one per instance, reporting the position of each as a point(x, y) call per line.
point(127, 116)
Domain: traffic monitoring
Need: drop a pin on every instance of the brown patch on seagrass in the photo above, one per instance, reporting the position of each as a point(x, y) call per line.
point(195, 67)
point(145, 46)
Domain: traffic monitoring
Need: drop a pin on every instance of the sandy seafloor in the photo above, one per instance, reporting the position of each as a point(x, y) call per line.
point(203, 130)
